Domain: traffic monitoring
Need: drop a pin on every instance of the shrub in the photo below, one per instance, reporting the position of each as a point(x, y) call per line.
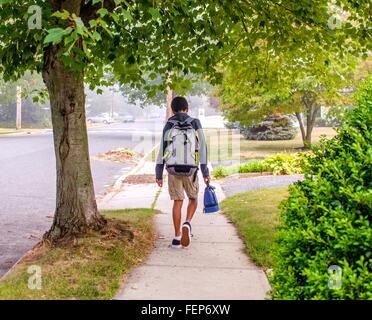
point(254, 166)
point(327, 218)
point(275, 127)
point(221, 172)
point(218, 172)
point(277, 164)
point(285, 163)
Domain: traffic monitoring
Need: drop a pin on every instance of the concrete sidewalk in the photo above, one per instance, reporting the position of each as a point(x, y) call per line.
point(129, 196)
point(214, 266)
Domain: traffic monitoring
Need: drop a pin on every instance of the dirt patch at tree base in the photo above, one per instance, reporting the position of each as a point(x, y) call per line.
point(88, 267)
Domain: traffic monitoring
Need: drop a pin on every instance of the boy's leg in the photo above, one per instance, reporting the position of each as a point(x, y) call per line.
point(191, 208)
point(177, 207)
point(177, 195)
point(186, 227)
point(191, 185)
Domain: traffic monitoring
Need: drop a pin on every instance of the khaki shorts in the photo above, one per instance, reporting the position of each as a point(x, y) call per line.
point(178, 185)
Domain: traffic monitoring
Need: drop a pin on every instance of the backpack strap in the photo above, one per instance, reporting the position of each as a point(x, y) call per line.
point(189, 120)
point(174, 122)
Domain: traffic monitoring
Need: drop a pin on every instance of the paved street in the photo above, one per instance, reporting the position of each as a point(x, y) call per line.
point(27, 180)
point(236, 184)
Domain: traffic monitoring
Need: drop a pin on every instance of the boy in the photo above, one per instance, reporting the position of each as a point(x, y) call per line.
point(182, 148)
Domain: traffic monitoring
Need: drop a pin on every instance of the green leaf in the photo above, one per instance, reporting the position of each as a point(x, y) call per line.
point(96, 36)
point(80, 28)
point(61, 14)
point(115, 17)
point(85, 49)
point(102, 12)
point(54, 36)
point(93, 23)
point(126, 14)
point(155, 13)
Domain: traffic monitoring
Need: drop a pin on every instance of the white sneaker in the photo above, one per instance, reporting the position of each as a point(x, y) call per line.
point(186, 234)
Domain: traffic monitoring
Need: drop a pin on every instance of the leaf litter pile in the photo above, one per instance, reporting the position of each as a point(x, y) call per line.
point(121, 155)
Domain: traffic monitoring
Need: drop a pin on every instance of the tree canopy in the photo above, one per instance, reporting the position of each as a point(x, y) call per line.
point(139, 39)
point(263, 77)
point(133, 40)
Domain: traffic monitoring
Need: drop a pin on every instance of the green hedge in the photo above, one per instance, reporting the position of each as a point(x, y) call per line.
point(327, 218)
point(279, 164)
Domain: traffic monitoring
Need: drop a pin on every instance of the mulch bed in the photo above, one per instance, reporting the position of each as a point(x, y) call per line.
point(140, 179)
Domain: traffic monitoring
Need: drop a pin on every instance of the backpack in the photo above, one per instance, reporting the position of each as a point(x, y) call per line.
point(181, 153)
point(210, 200)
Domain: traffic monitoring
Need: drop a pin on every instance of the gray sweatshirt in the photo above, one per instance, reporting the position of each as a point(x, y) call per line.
point(203, 156)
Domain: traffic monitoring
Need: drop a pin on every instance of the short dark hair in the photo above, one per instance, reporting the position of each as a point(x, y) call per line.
point(179, 104)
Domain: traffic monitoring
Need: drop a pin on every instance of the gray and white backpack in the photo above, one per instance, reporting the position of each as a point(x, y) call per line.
point(181, 153)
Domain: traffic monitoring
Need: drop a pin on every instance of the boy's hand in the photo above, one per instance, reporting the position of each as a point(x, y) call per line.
point(159, 182)
point(207, 179)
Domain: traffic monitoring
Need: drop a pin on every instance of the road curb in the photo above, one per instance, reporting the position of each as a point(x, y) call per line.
point(2, 278)
point(24, 133)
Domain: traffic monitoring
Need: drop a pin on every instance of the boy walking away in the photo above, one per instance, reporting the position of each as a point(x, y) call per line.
point(182, 149)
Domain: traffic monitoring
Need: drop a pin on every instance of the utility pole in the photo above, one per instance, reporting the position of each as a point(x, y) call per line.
point(19, 109)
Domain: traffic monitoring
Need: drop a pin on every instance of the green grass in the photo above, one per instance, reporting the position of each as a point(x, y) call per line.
point(255, 166)
point(7, 131)
point(152, 156)
point(90, 268)
point(225, 145)
point(255, 215)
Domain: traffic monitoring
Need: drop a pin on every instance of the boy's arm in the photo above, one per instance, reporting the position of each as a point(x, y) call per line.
point(203, 152)
point(159, 168)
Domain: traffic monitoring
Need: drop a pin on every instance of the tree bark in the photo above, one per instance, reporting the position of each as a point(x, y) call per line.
point(311, 107)
point(311, 123)
point(76, 208)
point(302, 128)
point(169, 112)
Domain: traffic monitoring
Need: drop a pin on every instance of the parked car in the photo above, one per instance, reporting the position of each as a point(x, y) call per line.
point(100, 119)
point(128, 118)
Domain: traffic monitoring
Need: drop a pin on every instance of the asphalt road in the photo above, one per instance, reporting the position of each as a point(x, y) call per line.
point(27, 180)
point(236, 184)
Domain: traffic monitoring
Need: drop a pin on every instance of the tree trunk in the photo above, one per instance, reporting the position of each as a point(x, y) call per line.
point(76, 208)
point(302, 128)
point(309, 101)
point(312, 119)
point(169, 112)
